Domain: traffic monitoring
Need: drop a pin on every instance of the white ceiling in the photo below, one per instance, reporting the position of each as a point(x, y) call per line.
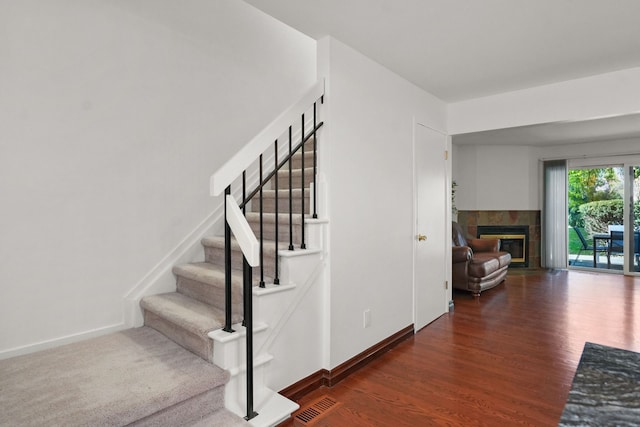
point(462, 49)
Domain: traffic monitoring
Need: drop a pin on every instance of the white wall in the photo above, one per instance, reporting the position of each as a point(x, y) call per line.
point(507, 177)
point(113, 115)
point(367, 159)
point(495, 177)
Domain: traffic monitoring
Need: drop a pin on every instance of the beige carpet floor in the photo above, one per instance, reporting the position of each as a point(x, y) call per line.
point(137, 377)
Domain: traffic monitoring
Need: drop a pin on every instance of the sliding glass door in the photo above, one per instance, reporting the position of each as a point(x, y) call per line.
point(596, 217)
point(603, 205)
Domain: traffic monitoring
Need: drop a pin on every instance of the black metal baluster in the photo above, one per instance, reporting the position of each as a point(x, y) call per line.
point(276, 279)
point(302, 245)
point(261, 230)
point(315, 165)
point(248, 317)
point(227, 267)
point(290, 194)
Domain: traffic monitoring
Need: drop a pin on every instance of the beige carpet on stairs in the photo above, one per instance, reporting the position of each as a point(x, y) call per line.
point(133, 377)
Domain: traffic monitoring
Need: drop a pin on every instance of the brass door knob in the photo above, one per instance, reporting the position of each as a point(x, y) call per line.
point(421, 237)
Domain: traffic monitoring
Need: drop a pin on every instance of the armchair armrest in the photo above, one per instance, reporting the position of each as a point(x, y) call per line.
point(485, 245)
point(461, 253)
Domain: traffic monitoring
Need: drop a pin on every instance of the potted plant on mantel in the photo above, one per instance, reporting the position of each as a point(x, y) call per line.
point(454, 209)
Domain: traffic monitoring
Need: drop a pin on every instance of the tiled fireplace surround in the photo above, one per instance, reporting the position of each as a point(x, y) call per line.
point(470, 220)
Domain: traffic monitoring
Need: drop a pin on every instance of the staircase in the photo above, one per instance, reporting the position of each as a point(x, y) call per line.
point(197, 306)
point(194, 315)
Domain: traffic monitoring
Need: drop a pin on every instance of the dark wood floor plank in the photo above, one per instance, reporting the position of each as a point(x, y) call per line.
point(507, 358)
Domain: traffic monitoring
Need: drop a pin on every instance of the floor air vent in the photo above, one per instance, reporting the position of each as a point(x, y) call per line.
point(315, 410)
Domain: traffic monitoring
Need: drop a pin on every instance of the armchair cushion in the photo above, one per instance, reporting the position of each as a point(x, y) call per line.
point(483, 264)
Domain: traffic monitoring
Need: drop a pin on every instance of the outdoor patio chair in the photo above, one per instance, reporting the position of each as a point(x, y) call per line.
point(616, 245)
point(586, 247)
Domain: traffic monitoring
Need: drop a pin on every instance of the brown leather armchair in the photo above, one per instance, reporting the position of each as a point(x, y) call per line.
point(478, 264)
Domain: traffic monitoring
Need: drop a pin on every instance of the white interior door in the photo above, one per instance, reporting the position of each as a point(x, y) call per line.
point(431, 229)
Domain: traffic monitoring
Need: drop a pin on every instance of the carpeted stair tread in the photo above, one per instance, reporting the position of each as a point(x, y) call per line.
point(297, 172)
point(214, 254)
point(205, 282)
point(284, 193)
point(190, 314)
point(269, 201)
point(218, 243)
point(206, 273)
point(137, 375)
point(297, 158)
point(296, 177)
point(269, 227)
point(270, 218)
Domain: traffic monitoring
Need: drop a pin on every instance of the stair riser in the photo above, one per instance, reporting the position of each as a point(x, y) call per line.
point(215, 256)
point(269, 231)
point(210, 294)
point(199, 345)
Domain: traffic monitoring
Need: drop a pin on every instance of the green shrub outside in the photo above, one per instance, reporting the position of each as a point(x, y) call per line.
point(597, 216)
point(592, 185)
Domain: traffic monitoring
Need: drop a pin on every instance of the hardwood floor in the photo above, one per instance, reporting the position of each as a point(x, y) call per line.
point(507, 358)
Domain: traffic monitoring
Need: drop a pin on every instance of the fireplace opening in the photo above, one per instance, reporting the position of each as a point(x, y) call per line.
point(513, 239)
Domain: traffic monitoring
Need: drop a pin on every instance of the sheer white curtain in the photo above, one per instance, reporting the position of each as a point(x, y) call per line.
point(554, 215)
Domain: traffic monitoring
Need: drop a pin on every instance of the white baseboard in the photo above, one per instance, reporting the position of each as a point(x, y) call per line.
point(57, 342)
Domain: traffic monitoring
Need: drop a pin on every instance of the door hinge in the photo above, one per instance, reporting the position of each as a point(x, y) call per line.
point(446, 154)
point(446, 284)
